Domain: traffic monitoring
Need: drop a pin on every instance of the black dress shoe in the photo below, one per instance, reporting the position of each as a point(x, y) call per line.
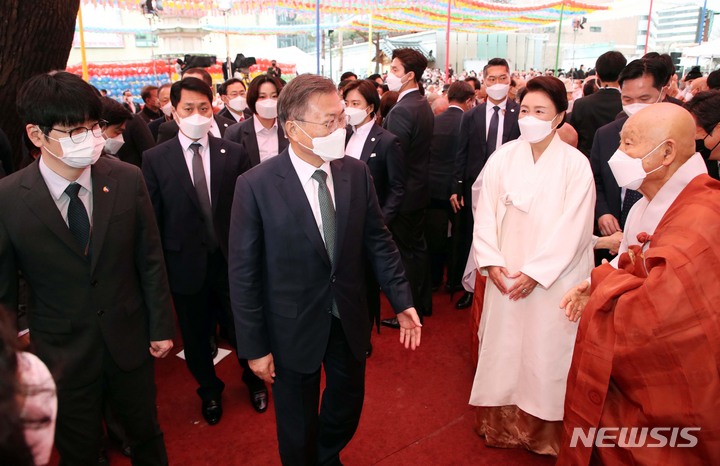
point(259, 400)
point(392, 323)
point(212, 411)
point(464, 302)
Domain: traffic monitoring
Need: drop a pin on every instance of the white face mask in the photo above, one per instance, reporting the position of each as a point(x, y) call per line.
point(79, 155)
point(393, 82)
point(628, 171)
point(533, 129)
point(330, 147)
point(498, 91)
point(266, 108)
point(113, 145)
point(356, 115)
point(167, 109)
point(195, 126)
point(632, 109)
point(238, 104)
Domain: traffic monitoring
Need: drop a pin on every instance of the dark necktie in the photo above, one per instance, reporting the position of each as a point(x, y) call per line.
point(493, 132)
point(631, 197)
point(327, 215)
point(78, 220)
point(202, 192)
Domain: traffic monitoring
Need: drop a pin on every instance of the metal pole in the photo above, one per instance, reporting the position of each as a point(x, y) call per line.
point(371, 47)
point(317, 34)
point(152, 51)
point(85, 74)
point(447, 45)
point(557, 52)
point(647, 33)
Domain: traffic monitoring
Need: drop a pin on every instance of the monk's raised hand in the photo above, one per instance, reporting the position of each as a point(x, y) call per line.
point(575, 300)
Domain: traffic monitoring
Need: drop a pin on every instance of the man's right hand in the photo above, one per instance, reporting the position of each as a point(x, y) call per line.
point(264, 367)
point(457, 202)
point(608, 224)
point(575, 300)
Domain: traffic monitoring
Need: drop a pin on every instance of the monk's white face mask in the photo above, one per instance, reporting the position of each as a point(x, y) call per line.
point(628, 171)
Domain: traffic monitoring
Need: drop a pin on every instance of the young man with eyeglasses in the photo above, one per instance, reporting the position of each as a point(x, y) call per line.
point(302, 224)
point(81, 230)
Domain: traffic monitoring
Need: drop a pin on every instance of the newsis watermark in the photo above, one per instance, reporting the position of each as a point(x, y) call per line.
point(635, 437)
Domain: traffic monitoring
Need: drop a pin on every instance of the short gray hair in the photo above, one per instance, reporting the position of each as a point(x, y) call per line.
point(292, 102)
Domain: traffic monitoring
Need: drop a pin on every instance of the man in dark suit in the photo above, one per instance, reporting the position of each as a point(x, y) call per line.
point(598, 109)
point(128, 102)
point(642, 83)
point(165, 108)
point(446, 135)
point(482, 130)
point(299, 230)
point(138, 139)
point(234, 96)
point(82, 232)
point(151, 109)
point(191, 180)
point(411, 120)
point(245, 134)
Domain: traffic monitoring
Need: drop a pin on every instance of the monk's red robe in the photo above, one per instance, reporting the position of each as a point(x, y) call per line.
point(647, 353)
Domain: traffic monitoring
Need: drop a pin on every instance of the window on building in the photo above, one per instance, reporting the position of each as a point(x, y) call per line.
point(145, 40)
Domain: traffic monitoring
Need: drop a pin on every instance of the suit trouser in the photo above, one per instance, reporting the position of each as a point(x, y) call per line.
point(436, 233)
point(408, 230)
point(132, 396)
point(461, 243)
point(196, 315)
point(304, 436)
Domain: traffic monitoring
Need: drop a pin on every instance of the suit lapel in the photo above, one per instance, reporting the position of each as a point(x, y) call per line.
point(218, 160)
point(341, 184)
point(292, 192)
point(372, 141)
point(40, 201)
point(104, 192)
point(511, 117)
point(250, 141)
point(176, 160)
point(480, 119)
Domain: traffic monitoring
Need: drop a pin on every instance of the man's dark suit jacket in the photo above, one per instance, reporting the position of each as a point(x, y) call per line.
point(412, 120)
point(177, 207)
point(169, 129)
point(446, 136)
point(225, 113)
point(281, 282)
point(244, 134)
point(472, 145)
point(384, 156)
point(119, 299)
point(593, 111)
point(138, 139)
point(154, 126)
point(148, 115)
point(607, 191)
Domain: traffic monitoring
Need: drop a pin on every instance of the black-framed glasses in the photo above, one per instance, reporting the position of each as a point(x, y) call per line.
point(78, 135)
point(333, 124)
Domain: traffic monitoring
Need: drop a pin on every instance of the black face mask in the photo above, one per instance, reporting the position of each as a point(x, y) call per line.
point(700, 147)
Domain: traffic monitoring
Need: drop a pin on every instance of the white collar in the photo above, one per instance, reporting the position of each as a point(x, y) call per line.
point(57, 184)
point(303, 169)
point(257, 124)
point(364, 129)
point(502, 105)
point(185, 141)
point(404, 93)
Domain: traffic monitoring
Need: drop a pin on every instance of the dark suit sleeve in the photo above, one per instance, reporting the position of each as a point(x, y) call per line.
point(165, 132)
point(8, 276)
point(383, 253)
point(151, 181)
point(601, 203)
point(151, 268)
point(400, 123)
point(245, 264)
point(462, 154)
point(395, 164)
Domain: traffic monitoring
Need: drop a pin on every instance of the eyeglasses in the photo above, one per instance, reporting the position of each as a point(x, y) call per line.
point(78, 135)
point(340, 122)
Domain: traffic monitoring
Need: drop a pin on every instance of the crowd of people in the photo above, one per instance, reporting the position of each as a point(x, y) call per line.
point(575, 215)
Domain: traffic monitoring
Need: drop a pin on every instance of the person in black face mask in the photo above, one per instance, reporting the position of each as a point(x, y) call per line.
point(705, 108)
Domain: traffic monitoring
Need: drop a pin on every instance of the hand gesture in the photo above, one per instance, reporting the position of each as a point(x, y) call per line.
point(522, 287)
point(264, 367)
point(575, 300)
point(410, 328)
point(160, 349)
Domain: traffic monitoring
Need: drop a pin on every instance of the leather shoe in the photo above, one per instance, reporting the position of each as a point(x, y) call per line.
point(392, 323)
point(259, 400)
point(464, 302)
point(212, 411)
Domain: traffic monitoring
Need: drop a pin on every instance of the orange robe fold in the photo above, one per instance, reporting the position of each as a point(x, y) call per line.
point(647, 353)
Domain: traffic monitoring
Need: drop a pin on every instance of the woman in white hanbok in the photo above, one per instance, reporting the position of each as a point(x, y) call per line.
point(533, 239)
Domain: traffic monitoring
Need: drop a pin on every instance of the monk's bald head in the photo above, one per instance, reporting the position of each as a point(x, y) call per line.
point(661, 122)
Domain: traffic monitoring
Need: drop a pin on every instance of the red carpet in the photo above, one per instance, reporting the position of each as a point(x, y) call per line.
point(415, 412)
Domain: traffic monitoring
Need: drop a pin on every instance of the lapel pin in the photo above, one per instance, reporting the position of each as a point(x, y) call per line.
point(512, 110)
point(222, 151)
point(372, 139)
point(105, 189)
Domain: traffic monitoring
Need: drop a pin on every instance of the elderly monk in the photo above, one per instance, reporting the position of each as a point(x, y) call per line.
point(646, 366)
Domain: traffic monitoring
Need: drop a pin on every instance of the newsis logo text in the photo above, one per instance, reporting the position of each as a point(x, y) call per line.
point(635, 437)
